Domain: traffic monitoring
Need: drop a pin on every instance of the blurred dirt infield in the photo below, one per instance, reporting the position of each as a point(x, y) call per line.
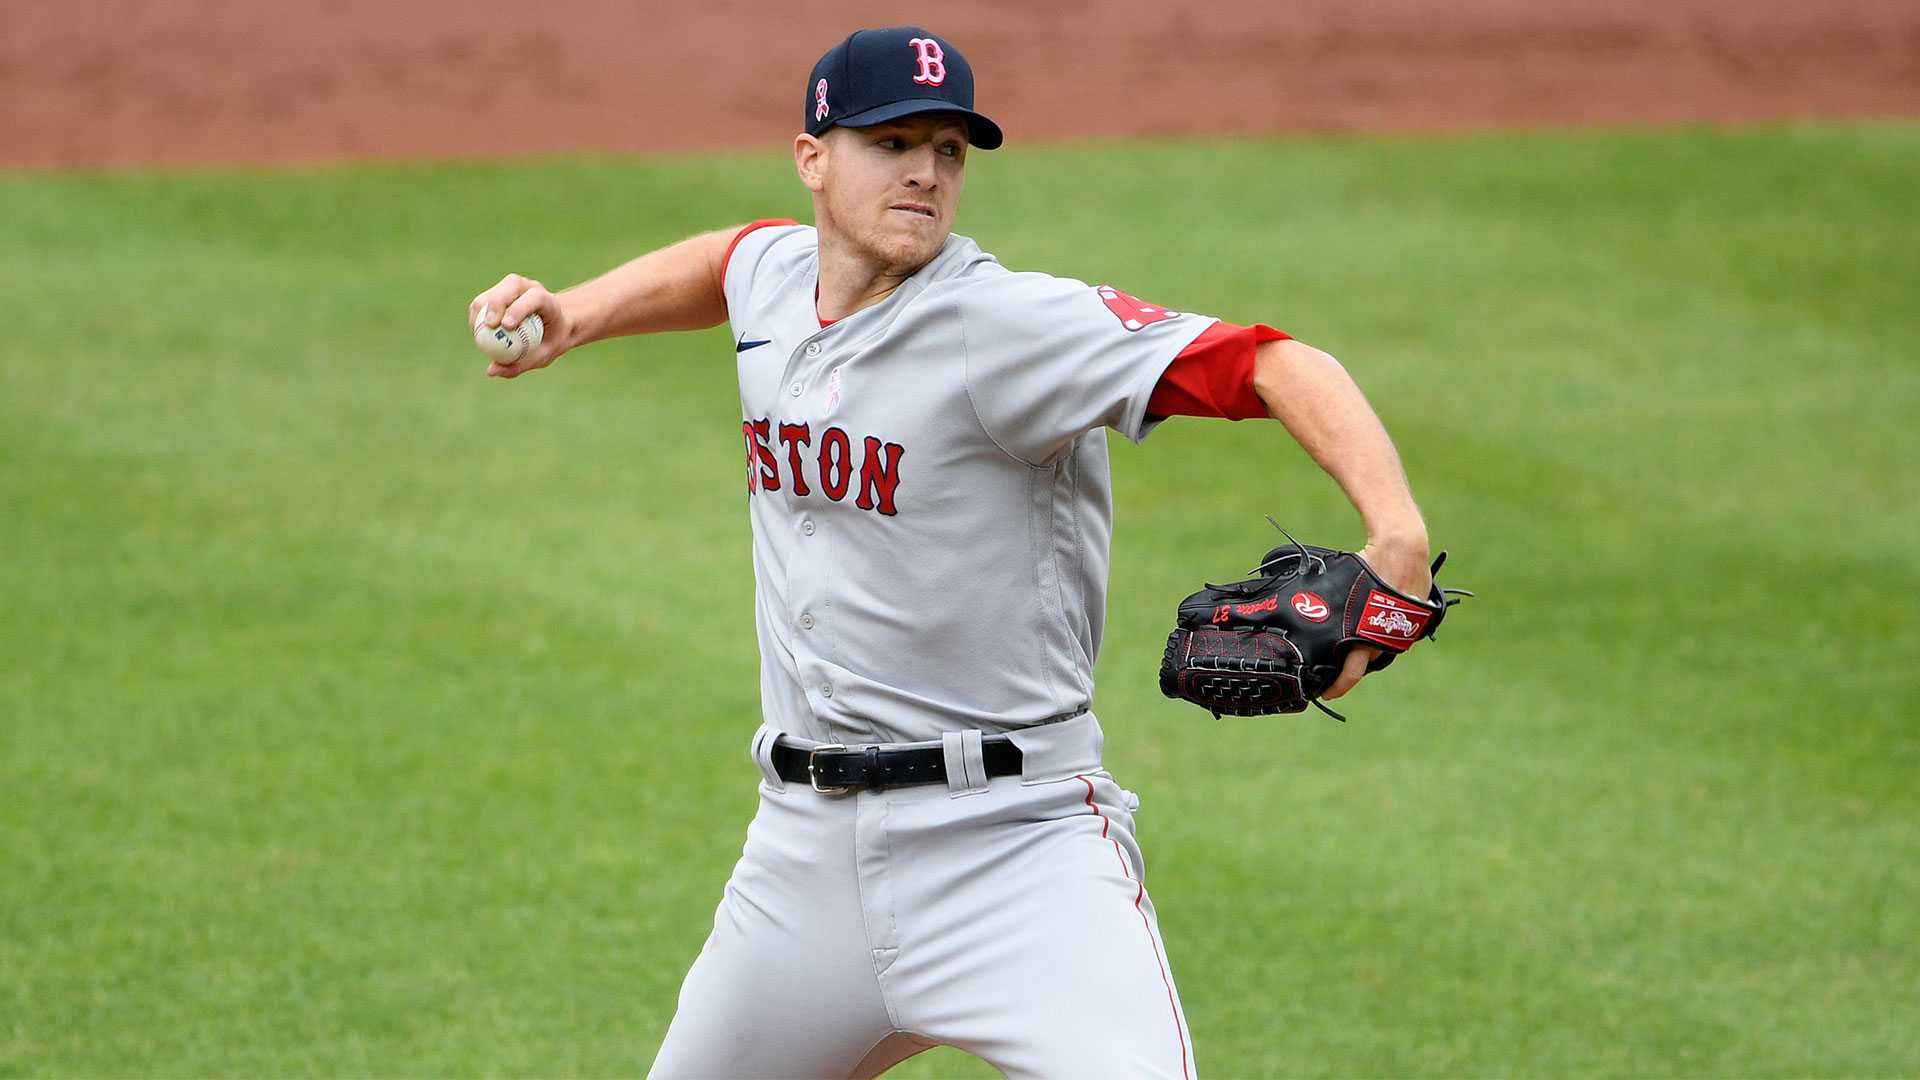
point(113, 82)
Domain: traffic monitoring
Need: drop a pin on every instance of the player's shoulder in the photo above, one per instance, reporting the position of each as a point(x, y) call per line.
point(963, 273)
point(764, 253)
point(959, 260)
point(778, 241)
point(975, 282)
point(1031, 306)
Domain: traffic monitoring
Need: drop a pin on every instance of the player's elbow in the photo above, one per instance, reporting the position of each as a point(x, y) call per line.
point(1279, 365)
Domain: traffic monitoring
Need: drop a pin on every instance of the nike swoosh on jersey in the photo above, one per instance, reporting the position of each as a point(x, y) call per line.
point(743, 344)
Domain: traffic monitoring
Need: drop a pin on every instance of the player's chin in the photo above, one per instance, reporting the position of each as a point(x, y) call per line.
point(913, 239)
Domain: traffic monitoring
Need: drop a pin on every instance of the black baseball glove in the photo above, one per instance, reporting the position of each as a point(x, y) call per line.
point(1275, 642)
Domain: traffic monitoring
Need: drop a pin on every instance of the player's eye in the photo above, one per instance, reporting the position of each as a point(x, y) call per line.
point(952, 150)
point(888, 144)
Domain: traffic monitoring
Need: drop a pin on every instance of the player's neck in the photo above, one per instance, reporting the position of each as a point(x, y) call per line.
point(852, 280)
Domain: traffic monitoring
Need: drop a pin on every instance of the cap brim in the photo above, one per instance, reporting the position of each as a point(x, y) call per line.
point(981, 132)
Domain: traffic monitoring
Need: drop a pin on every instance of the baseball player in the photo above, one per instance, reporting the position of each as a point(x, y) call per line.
point(938, 856)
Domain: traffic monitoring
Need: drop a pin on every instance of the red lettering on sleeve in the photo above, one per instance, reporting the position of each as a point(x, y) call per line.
point(1133, 312)
point(1214, 375)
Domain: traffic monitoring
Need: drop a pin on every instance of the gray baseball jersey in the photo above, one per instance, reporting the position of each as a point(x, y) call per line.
point(931, 509)
point(929, 487)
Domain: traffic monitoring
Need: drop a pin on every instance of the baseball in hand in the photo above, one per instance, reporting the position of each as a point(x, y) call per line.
point(508, 347)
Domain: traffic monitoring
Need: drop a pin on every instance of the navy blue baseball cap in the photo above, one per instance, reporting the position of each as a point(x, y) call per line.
point(879, 75)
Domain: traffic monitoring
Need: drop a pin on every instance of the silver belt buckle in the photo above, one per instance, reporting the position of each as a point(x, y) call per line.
point(814, 777)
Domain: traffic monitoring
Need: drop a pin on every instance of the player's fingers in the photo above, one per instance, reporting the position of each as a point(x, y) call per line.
point(490, 305)
point(1351, 671)
point(535, 300)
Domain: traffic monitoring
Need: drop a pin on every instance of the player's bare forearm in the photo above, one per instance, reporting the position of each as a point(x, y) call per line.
point(675, 288)
point(678, 287)
point(1311, 394)
point(1323, 409)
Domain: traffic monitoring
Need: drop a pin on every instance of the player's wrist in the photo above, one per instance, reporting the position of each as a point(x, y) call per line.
point(1401, 557)
point(1399, 533)
point(574, 319)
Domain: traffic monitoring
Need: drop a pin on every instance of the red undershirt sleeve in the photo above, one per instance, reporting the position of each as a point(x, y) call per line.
point(1214, 375)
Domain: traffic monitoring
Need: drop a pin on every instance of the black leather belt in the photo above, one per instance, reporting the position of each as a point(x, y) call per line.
point(834, 769)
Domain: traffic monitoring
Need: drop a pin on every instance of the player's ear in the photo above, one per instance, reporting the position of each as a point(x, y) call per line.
point(810, 161)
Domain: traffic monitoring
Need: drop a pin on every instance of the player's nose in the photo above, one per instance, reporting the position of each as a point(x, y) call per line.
point(921, 172)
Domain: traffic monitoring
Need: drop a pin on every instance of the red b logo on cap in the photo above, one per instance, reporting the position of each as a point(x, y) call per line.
point(933, 61)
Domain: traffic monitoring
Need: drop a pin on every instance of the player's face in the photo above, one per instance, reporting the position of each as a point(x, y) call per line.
point(892, 189)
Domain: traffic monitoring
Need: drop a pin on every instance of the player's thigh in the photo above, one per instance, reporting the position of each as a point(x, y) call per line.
point(1052, 963)
point(744, 1012)
point(785, 984)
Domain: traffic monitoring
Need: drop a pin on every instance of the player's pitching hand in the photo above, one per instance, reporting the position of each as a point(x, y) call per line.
point(507, 305)
point(1401, 564)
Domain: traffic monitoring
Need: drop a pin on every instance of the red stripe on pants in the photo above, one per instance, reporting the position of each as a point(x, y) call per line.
point(1139, 895)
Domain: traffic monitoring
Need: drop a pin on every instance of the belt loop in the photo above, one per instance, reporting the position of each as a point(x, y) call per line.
point(763, 741)
point(1058, 750)
point(966, 765)
point(874, 782)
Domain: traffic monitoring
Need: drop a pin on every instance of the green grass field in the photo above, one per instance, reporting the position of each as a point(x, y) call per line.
point(362, 715)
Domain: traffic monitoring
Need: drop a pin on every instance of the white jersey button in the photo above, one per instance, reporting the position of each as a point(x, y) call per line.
point(806, 527)
point(806, 622)
point(826, 690)
point(813, 348)
point(794, 389)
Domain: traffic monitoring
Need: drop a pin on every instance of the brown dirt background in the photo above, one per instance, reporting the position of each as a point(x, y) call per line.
point(121, 82)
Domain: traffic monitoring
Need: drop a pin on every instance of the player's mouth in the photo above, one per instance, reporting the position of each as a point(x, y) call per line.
point(914, 208)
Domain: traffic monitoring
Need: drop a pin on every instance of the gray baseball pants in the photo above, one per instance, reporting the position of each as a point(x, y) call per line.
point(1006, 917)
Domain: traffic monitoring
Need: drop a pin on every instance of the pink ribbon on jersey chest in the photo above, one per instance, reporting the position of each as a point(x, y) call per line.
point(833, 390)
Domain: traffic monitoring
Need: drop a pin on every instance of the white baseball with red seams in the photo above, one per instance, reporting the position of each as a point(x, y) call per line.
point(928, 487)
point(508, 346)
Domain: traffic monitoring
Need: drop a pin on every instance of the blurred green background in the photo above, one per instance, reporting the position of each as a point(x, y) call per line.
point(362, 715)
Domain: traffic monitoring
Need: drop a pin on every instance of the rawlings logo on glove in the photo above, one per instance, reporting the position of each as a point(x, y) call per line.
point(1276, 642)
point(1390, 622)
